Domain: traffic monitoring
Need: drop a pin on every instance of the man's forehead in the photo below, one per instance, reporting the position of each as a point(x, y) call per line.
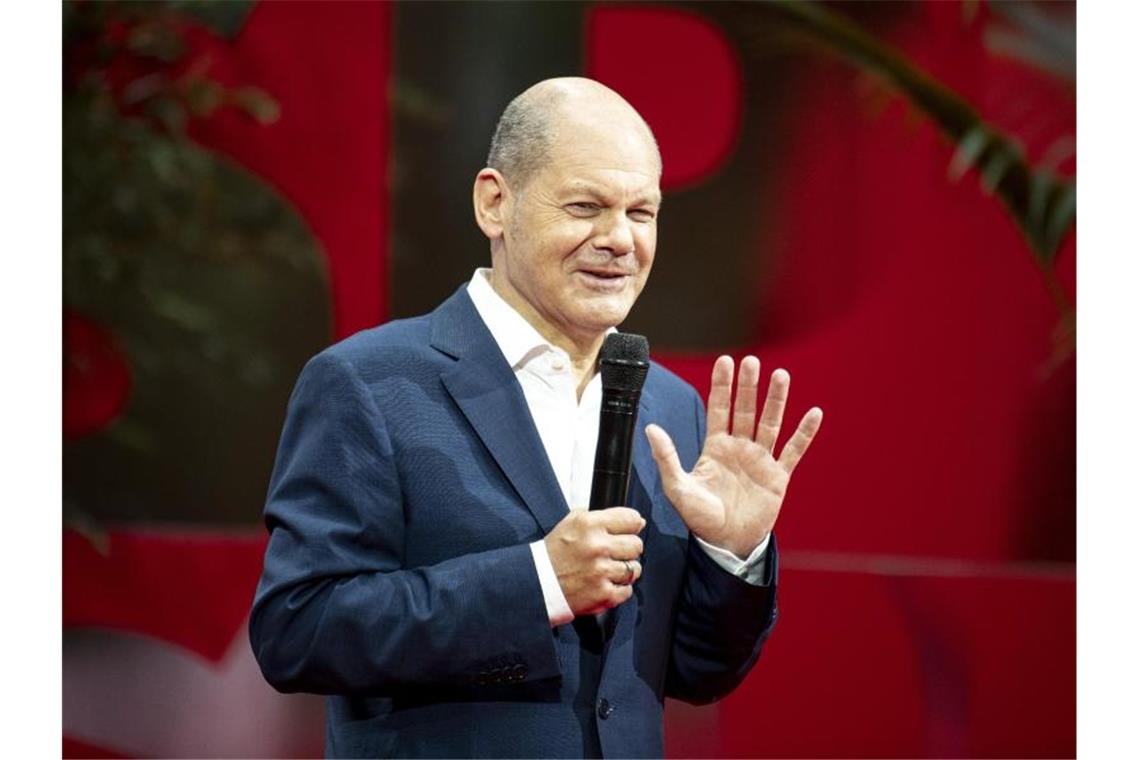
point(604, 155)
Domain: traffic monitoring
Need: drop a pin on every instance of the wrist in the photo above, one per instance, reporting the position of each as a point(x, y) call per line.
point(743, 550)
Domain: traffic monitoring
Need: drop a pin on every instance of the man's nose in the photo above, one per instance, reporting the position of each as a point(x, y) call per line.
point(615, 235)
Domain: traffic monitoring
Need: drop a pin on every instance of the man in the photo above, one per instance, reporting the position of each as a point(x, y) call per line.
point(431, 565)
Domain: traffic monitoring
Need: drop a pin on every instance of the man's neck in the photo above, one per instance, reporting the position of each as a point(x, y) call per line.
point(581, 348)
point(583, 352)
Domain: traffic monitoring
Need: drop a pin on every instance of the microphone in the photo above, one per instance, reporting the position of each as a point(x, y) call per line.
point(624, 363)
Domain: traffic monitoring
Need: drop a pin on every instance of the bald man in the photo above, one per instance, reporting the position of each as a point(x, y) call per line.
point(431, 565)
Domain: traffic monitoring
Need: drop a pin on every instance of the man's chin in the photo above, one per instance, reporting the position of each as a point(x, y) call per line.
point(601, 321)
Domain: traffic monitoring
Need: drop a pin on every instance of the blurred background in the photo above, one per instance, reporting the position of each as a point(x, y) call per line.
point(879, 197)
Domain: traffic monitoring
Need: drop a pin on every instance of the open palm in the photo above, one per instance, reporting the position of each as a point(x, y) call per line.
point(733, 495)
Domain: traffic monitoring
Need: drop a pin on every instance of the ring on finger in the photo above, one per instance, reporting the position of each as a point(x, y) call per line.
point(629, 569)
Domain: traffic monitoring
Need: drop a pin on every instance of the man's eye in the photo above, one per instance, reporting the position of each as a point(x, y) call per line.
point(643, 215)
point(583, 208)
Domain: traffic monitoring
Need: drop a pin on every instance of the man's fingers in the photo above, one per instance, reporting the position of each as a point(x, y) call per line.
point(624, 547)
point(720, 396)
point(665, 454)
point(619, 571)
point(619, 594)
point(798, 444)
point(773, 415)
point(621, 520)
point(744, 410)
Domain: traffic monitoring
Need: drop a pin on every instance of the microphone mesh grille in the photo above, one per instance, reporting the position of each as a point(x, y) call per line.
point(624, 361)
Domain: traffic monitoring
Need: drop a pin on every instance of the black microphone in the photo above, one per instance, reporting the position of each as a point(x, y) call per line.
point(624, 363)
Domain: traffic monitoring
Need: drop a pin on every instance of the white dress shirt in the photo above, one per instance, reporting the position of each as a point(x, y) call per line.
point(568, 428)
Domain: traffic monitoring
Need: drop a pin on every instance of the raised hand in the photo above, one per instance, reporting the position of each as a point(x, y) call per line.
point(733, 496)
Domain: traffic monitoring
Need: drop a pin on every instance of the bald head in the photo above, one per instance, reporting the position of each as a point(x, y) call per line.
point(535, 120)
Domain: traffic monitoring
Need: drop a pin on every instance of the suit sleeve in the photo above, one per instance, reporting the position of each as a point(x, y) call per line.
point(722, 621)
point(336, 611)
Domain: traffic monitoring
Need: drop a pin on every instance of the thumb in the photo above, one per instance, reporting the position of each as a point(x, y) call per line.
point(665, 454)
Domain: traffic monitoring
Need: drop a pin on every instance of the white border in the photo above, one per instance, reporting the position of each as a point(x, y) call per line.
point(30, 136)
point(1108, 334)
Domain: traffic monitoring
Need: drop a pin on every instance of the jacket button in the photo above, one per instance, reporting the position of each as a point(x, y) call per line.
point(605, 709)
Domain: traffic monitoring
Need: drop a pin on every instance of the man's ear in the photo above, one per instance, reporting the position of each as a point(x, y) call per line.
point(490, 197)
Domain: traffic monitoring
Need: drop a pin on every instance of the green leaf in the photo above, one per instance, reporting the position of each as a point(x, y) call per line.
point(226, 17)
point(170, 113)
point(257, 103)
point(996, 165)
point(1040, 184)
point(202, 96)
point(87, 526)
point(1063, 212)
point(970, 147)
point(156, 39)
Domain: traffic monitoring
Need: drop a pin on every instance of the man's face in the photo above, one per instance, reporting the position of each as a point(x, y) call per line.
point(579, 238)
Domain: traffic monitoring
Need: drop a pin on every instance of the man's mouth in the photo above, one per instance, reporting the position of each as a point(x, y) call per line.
point(604, 274)
point(604, 280)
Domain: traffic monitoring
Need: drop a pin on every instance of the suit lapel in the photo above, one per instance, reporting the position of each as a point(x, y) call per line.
point(644, 468)
point(487, 393)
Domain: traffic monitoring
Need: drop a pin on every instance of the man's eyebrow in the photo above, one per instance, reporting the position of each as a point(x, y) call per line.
point(582, 186)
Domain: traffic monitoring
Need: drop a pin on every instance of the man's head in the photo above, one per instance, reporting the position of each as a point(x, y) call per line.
point(569, 201)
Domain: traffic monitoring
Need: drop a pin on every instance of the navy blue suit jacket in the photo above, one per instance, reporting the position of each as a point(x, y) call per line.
point(398, 579)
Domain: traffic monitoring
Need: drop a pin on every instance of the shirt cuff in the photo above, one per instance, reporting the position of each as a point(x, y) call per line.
point(557, 608)
point(749, 570)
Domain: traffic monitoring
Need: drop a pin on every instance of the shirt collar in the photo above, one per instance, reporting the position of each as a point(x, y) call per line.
point(516, 338)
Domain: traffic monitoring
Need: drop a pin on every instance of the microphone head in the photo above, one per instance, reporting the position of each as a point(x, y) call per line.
point(624, 362)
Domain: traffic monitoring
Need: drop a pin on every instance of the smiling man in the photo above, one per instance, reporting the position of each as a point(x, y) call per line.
point(431, 564)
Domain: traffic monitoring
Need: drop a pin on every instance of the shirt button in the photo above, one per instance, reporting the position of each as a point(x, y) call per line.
point(557, 364)
point(605, 709)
